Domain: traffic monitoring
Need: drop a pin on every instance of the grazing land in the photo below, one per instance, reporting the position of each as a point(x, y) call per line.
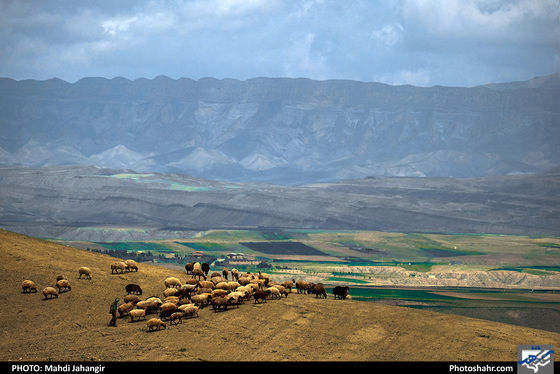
point(504, 278)
point(301, 327)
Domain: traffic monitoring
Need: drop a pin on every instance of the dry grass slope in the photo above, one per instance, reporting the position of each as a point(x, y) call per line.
point(74, 327)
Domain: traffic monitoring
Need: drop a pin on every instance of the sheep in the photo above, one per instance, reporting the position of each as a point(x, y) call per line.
point(219, 292)
point(50, 292)
point(137, 313)
point(234, 298)
point(222, 286)
point(246, 290)
point(234, 274)
point(186, 290)
point(319, 290)
point(28, 286)
point(116, 266)
point(225, 273)
point(206, 284)
point(219, 303)
point(176, 317)
point(63, 285)
point(289, 284)
point(84, 271)
point(282, 290)
point(148, 305)
point(131, 265)
point(201, 299)
point(131, 299)
point(188, 267)
point(169, 292)
point(133, 289)
point(61, 276)
point(340, 292)
point(124, 309)
point(172, 282)
point(273, 292)
point(189, 310)
point(155, 323)
point(171, 299)
point(165, 307)
point(205, 268)
point(198, 273)
point(260, 296)
point(302, 286)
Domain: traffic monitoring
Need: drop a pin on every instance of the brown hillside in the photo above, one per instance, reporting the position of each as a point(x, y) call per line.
point(298, 328)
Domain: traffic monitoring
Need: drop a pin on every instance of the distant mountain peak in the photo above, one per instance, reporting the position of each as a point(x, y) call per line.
point(282, 130)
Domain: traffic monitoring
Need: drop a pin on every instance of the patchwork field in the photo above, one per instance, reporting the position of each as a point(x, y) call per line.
point(504, 278)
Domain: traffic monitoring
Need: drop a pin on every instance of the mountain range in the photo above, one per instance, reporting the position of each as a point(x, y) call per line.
point(282, 130)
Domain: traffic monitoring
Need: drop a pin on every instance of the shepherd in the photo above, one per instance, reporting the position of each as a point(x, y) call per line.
point(113, 311)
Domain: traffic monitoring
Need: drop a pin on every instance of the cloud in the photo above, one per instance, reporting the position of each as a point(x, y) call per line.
point(398, 41)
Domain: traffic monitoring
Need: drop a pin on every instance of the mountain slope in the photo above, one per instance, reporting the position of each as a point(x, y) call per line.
point(288, 131)
point(62, 202)
point(74, 327)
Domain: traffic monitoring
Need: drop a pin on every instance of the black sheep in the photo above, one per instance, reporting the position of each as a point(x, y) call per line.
point(340, 291)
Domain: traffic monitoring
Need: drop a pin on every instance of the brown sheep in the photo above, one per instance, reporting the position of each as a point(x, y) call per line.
point(49, 293)
point(124, 309)
point(132, 288)
point(118, 266)
point(176, 317)
point(319, 290)
point(155, 324)
point(260, 296)
point(131, 299)
point(289, 284)
point(84, 271)
point(172, 282)
point(28, 286)
point(302, 286)
point(219, 303)
point(63, 285)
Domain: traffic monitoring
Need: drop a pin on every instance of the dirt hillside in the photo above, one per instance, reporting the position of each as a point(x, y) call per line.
point(74, 327)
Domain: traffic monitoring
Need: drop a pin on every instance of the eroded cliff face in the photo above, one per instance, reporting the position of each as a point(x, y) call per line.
point(286, 131)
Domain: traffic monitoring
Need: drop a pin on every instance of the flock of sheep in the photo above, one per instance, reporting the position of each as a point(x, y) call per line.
point(62, 284)
point(184, 300)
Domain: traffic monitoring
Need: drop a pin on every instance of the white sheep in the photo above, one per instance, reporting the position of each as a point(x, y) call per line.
point(49, 293)
point(131, 265)
point(28, 286)
point(84, 271)
point(155, 323)
point(118, 265)
point(137, 313)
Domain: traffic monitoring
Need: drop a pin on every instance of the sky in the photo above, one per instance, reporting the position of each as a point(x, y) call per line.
point(419, 42)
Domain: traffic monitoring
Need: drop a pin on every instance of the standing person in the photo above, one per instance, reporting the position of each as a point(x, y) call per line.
point(113, 311)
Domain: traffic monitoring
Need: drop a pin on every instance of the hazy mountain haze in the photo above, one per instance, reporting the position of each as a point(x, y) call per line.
point(282, 130)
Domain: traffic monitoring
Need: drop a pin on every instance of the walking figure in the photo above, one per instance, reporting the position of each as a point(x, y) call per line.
point(113, 311)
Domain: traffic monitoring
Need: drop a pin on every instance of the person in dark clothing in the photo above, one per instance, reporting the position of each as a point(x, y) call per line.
point(113, 311)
